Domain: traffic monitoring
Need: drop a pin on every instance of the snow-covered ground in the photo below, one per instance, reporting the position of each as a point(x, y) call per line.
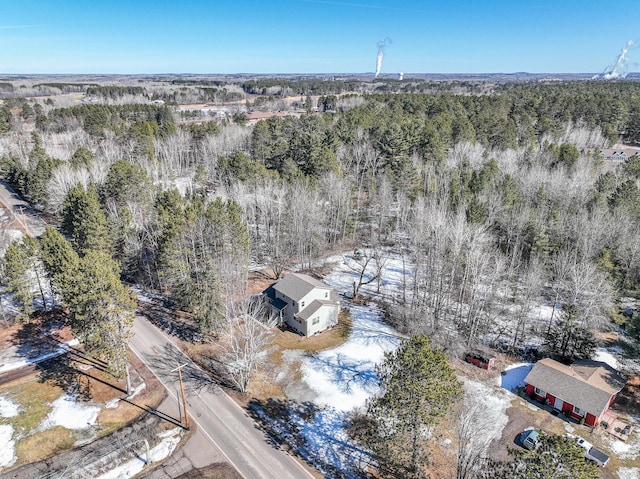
point(489, 405)
point(70, 414)
point(629, 473)
point(606, 356)
point(344, 377)
point(7, 444)
point(168, 443)
point(12, 359)
point(513, 376)
point(8, 408)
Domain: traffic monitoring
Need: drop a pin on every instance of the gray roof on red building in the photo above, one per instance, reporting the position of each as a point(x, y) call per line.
point(585, 384)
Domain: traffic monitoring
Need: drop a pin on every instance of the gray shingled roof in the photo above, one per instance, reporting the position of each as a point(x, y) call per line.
point(297, 285)
point(587, 385)
point(313, 307)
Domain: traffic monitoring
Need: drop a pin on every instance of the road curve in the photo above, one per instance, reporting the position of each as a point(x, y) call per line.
point(226, 425)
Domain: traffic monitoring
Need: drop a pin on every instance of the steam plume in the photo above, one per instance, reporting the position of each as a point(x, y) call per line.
point(617, 69)
point(381, 46)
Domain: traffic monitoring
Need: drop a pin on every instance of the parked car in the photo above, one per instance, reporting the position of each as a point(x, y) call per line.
point(529, 438)
point(591, 453)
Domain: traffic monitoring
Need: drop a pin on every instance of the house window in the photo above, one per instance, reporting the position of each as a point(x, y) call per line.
point(326, 294)
point(578, 411)
point(539, 392)
point(315, 320)
point(302, 304)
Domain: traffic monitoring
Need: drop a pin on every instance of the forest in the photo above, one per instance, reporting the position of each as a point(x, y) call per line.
point(496, 196)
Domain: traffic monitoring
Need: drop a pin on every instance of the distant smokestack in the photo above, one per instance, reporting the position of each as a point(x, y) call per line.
point(401, 76)
point(618, 68)
point(381, 46)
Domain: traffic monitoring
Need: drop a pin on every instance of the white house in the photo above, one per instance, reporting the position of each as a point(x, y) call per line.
point(619, 154)
point(304, 303)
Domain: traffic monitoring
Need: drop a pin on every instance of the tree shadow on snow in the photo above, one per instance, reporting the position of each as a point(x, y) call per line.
point(315, 434)
point(36, 339)
point(347, 373)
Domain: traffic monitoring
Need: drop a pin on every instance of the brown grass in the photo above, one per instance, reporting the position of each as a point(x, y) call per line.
point(284, 340)
point(44, 444)
point(34, 397)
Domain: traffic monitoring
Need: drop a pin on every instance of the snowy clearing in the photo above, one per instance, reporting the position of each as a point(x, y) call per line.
point(70, 414)
point(494, 402)
point(344, 377)
point(7, 446)
point(8, 408)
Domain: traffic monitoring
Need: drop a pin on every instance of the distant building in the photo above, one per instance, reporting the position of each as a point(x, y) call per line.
point(307, 305)
point(255, 116)
point(618, 154)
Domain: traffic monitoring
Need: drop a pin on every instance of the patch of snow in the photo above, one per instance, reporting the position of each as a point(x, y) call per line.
point(70, 414)
point(113, 403)
point(318, 435)
point(7, 446)
point(513, 376)
point(629, 472)
point(8, 408)
point(626, 450)
point(137, 390)
point(344, 377)
point(494, 404)
point(605, 356)
point(165, 448)
point(20, 363)
point(170, 440)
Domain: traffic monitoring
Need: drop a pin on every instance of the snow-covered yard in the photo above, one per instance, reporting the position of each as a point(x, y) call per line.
point(341, 379)
point(513, 376)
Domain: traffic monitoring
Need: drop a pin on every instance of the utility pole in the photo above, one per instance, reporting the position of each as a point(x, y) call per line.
point(24, 223)
point(184, 401)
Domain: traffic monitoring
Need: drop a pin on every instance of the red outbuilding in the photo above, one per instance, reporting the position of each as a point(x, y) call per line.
point(584, 390)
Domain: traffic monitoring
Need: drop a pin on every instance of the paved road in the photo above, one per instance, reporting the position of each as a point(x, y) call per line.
point(20, 211)
point(227, 427)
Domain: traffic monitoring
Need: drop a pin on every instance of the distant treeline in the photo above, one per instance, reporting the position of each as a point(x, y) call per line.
point(300, 87)
point(199, 82)
point(114, 92)
point(67, 87)
point(96, 118)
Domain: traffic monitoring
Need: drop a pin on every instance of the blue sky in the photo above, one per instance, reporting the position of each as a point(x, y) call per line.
point(315, 36)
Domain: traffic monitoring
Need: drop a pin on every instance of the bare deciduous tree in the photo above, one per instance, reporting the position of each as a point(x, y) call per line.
point(249, 334)
point(471, 438)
